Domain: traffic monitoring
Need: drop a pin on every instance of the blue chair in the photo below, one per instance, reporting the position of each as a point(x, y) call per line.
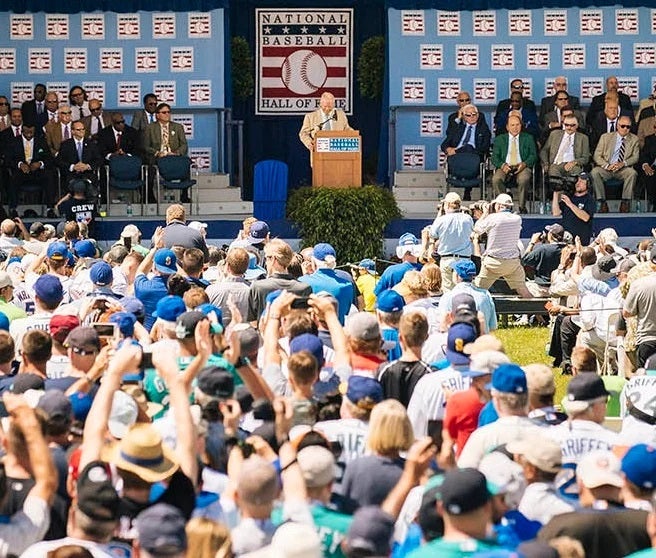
point(174, 173)
point(127, 173)
point(465, 170)
point(270, 189)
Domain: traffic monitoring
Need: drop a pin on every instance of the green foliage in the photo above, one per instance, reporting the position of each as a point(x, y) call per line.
point(243, 82)
point(351, 219)
point(371, 67)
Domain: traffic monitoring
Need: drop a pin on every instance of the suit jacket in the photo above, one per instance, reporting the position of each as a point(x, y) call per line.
point(40, 151)
point(54, 135)
point(553, 117)
point(153, 140)
point(130, 142)
point(105, 118)
point(581, 148)
point(548, 104)
point(455, 133)
point(527, 150)
point(7, 138)
point(606, 147)
point(313, 120)
point(30, 116)
point(504, 106)
point(598, 102)
point(529, 120)
point(599, 126)
point(648, 151)
point(67, 155)
point(140, 121)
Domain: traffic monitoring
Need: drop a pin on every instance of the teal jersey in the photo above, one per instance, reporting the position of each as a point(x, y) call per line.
point(451, 549)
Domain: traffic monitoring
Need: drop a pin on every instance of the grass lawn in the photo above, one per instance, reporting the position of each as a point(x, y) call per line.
point(525, 345)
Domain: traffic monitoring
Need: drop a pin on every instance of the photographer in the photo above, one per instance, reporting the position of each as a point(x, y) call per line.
point(542, 257)
point(577, 211)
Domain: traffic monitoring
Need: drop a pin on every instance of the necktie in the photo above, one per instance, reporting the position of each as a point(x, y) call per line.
point(514, 152)
point(28, 152)
point(100, 126)
point(39, 107)
point(52, 116)
point(165, 139)
point(18, 133)
point(468, 134)
point(151, 118)
point(621, 152)
point(118, 140)
point(612, 125)
point(79, 150)
point(67, 134)
point(3, 122)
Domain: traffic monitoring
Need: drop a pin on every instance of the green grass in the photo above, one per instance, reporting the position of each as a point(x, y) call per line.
point(526, 345)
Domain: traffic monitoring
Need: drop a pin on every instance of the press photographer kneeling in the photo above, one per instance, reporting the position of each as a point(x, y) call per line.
point(577, 207)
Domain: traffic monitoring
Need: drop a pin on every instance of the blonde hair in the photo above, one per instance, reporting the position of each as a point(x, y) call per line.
point(280, 250)
point(432, 277)
point(390, 430)
point(175, 212)
point(207, 538)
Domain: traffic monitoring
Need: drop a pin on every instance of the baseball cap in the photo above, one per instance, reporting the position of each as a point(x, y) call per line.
point(37, 228)
point(169, 308)
point(58, 251)
point(599, 468)
point(639, 466)
point(503, 199)
point(624, 266)
point(308, 342)
point(83, 339)
point(253, 271)
point(216, 382)
point(324, 252)
point(556, 230)
point(463, 491)
point(197, 225)
point(584, 176)
point(540, 451)
point(390, 301)
point(55, 405)
point(258, 232)
point(362, 391)
point(363, 325)
point(452, 197)
point(369, 265)
point(503, 476)
point(4, 322)
point(463, 301)
point(133, 305)
point(185, 325)
point(465, 269)
point(586, 387)
point(459, 335)
point(318, 466)
point(123, 414)
point(101, 274)
point(24, 381)
point(125, 322)
point(132, 231)
point(79, 185)
point(540, 379)
point(509, 378)
point(486, 342)
point(485, 362)
point(604, 269)
point(96, 496)
point(214, 315)
point(165, 261)
point(371, 531)
point(5, 279)
point(61, 325)
point(85, 249)
point(408, 242)
point(49, 289)
point(161, 530)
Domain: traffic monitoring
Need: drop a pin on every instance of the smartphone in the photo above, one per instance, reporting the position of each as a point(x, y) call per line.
point(300, 303)
point(104, 330)
point(127, 242)
point(435, 432)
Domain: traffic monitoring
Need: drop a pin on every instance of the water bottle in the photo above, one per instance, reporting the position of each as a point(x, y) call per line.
point(128, 211)
point(547, 208)
point(541, 208)
point(638, 206)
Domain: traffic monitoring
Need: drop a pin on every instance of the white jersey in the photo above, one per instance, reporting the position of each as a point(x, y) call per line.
point(24, 298)
point(18, 328)
point(579, 437)
point(641, 391)
point(429, 397)
point(352, 435)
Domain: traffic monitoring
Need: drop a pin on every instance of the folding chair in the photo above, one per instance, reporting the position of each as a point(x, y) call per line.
point(465, 170)
point(174, 173)
point(126, 173)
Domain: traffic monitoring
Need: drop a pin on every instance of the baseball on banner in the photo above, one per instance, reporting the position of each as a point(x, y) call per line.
point(304, 72)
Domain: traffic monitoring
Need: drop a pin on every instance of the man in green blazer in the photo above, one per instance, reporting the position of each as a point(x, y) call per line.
point(164, 137)
point(514, 154)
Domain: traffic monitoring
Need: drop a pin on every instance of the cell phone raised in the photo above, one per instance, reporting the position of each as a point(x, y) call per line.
point(104, 330)
point(435, 432)
point(300, 303)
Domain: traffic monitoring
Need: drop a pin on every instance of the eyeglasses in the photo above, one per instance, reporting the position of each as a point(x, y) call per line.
point(163, 112)
point(470, 114)
point(464, 100)
point(4, 104)
point(570, 125)
point(96, 109)
point(624, 126)
point(64, 112)
point(51, 101)
point(120, 122)
point(77, 94)
point(562, 98)
point(151, 103)
point(517, 87)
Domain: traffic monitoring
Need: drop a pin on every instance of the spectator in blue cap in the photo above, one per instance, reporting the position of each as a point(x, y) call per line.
point(161, 532)
point(125, 322)
point(134, 306)
point(389, 307)
point(167, 311)
point(408, 251)
point(102, 277)
point(464, 272)
point(85, 249)
point(509, 390)
point(161, 262)
point(639, 470)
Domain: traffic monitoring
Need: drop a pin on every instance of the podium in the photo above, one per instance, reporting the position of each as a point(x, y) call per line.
point(337, 159)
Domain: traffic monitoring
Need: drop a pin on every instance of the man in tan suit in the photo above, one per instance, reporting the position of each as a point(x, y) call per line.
point(97, 120)
point(616, 154)
point(325, 118)
point(59, 130)
point(566, 150)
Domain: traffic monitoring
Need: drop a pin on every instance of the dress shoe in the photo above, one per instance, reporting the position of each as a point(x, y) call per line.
point(625, 206)
point(603, 207)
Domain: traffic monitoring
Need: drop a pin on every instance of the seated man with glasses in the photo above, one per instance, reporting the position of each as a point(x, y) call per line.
point(142, 118)
point(547, 104)
point(118, 139)
point(553, 119)
point(504, 106)
point(97, 120)
point(470, 135)
point(60, 130)
point(566, 152)
point(615, 156)
point(463, 99)
point(79, 158)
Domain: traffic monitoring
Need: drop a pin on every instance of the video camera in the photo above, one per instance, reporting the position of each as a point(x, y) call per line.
point(563, 184)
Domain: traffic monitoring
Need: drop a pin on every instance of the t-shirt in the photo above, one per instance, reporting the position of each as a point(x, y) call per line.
point(277, 281)
point(544, 258)
point(368, 481)
point(332, 527)
point(451, 549)
point(400, 377)
point(149, 292)
point(641, 302)
point(12, 311)
point(352, 436)
point(572, 224)
point(366, 284)
point(393, 275)
point(80, 211)
point(461, 416)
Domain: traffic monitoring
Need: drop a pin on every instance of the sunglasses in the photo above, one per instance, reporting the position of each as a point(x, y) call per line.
point(624, 126)
point(164, 112)
point(65, 112)
point(95, 109)
point(518, 87)
point(562, 98)
point(120, 122)
point(569, 125)
point(4, 104)
point(77, 94)
point(470, 114)
point(464, 100)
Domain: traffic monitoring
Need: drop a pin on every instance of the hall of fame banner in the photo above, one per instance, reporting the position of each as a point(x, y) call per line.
point(57, 27)
point(447, 90)
point(414, 90)
point(448, 23)
point(301, 55)
point(484, 24)
point(555, 23)
point(430, 124)
point(413, 23)
point(485, 91)
point(414, 157)
point(201, 158)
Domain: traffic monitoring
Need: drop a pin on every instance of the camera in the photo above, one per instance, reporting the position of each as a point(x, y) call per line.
point(563, 184)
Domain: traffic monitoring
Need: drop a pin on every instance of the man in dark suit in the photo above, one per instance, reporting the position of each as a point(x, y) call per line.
point(514, 155)
point(97, 120)
point(142, 118)
point(566, 152)
point(34, 111)
point(79, 158)
point(527, 112)
point(547, 104)
point(598, 102)
point(647, 172)
point(118, 139)
point(504, 106)
point(30, 162)
point(470, 135)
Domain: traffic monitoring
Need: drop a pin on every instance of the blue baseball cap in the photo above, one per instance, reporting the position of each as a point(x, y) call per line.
point(169, 308)
point(4, 322)
point(458, 336)
point(639, 466)
point(125, 322)
point(369, 265)
point(509, 378)
point(308, 342)
point(465, 269)
point(133, 305)
point(58, 251)
point(323, 250)
point(363, 392)
point(258, 232)
point(215, 316)
point(49, 289)
point(165, 261)
point(85, 249)
point(101, 274)
point(408, 239)
point(390, 301)
point(253, 271)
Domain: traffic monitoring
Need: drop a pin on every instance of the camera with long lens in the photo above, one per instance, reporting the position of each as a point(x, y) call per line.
point(564, 184)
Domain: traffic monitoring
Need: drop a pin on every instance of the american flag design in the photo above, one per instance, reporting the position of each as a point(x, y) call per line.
point(302, 54)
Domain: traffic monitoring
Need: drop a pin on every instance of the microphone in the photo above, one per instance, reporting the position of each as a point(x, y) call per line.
point(333, 116)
